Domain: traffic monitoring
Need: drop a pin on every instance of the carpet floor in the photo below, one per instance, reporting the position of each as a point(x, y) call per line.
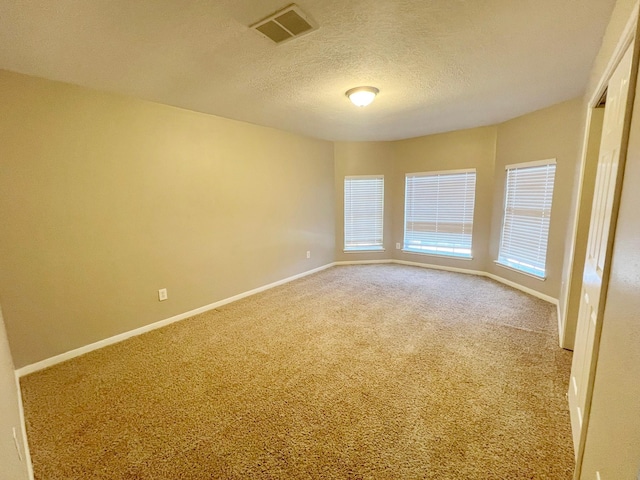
point(358, 372)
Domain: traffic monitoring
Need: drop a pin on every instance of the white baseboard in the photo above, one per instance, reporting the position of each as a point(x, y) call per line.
point(23, 428)
point(362, 262)
point(49, 362)
point(481, 273)
point(440, 267)
point(21, 372)
point(34, 367)
point(561, 327)
point(522, 288)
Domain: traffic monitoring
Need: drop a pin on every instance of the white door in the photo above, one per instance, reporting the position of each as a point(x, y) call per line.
point(597, 256)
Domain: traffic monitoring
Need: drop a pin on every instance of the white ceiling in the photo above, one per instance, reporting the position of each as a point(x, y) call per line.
point(440, 65)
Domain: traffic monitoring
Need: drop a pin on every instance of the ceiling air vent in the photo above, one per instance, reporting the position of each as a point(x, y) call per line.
point(285, 24)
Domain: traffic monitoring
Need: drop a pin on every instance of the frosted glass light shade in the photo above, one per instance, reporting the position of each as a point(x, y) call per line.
point(362, 96)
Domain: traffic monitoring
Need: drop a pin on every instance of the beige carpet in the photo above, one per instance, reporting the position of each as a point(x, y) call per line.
point(362, 372)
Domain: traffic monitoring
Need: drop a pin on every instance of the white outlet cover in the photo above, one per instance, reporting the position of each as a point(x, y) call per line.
point(162, 294)
point(397, 246)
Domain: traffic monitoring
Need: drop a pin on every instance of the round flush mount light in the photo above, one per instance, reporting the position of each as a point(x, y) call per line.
point(362, 96)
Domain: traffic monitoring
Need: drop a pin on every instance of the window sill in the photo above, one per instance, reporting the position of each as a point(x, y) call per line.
point(437, 255)
point(522, 272)
point(365, 250)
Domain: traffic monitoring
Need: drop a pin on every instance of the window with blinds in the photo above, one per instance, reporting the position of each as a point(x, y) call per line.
point(438, 212)
point(527, 212)
point(363, 213)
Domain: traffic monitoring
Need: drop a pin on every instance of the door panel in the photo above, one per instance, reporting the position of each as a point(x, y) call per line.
point(596, 260)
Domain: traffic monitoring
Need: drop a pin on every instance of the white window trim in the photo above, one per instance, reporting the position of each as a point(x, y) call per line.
point(442, 172)
point(367, 249)
point(436, 255)
point(535, 163)
point(521, 272)
point(404, 225)
point(362, 177)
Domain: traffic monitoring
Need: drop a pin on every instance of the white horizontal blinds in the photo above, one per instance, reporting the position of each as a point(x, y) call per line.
point(527, 212)
point(363, 212)
point(439, 212)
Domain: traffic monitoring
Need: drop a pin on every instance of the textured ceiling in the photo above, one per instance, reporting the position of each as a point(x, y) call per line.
point(440, 65)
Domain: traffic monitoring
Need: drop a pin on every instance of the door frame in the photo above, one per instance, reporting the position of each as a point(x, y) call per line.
point(630, 35)
point(624, 42)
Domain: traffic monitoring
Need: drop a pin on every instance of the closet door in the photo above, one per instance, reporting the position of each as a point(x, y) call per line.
point(597, 259)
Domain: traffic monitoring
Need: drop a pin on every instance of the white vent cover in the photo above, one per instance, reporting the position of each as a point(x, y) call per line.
point(285, 24)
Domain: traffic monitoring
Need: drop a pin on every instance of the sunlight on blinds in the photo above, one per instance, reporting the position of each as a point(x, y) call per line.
point(527, 212)
point(439, 212)
point(363, 213)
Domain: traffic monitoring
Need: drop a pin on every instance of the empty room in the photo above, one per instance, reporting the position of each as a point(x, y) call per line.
point(322, 240)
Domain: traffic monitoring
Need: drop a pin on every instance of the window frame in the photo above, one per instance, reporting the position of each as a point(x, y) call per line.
point(513, 265)
point(443, 253)
point(365, 248)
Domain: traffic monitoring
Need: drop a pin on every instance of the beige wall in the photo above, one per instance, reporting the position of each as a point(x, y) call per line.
point(363, 158)
point(11, 466)
point(554, 132)
point(613, 436)
point(105, 199)
point(474, 148)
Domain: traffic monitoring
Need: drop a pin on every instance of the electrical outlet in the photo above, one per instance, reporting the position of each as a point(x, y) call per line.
point(308, 253)
point(15, 440)
point(162, 294)
point(398, 246)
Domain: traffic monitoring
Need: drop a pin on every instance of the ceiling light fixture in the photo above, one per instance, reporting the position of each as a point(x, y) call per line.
point(362, 96)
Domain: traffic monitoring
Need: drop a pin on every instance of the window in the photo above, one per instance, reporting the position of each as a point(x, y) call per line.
point(438, 212)
point(527, 210)
point(363, 213)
